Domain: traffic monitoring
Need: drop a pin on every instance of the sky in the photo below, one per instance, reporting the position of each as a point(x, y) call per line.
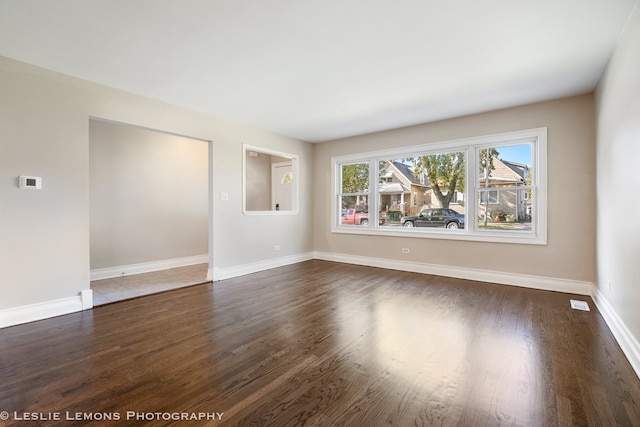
point(516, 153)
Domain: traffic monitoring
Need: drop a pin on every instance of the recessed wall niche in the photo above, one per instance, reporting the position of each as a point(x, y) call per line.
point(270, 182)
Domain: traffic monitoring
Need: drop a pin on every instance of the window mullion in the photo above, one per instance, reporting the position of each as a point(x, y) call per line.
point(373, 194)
point(471, 196)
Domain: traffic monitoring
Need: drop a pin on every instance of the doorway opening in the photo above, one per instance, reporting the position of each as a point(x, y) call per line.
point(150, 211)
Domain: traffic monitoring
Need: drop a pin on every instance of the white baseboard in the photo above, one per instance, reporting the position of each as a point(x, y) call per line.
point(44, 310)
point(630, 346)
point(147, 267)
point(503, 278)
point(240, 270)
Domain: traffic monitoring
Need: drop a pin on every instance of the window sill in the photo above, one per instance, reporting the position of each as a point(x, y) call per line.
point(274, 213)
point(515, 237)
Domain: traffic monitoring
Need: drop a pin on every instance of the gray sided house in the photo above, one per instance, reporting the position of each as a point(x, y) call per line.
point(503, 200)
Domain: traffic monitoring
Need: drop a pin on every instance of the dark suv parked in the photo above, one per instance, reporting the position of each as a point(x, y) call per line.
point(446, 218)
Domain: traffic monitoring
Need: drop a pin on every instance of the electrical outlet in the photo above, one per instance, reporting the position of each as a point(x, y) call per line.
point(276, 248)
point(406, 250)
point(224, 196)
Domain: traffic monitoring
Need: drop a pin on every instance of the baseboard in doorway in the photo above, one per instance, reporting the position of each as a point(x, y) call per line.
point(147, 267)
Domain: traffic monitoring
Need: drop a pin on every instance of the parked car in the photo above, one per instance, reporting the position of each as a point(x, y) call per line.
point(446, 218)
point(352, 216)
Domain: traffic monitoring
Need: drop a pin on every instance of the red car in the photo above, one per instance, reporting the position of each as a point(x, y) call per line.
point(353, 217)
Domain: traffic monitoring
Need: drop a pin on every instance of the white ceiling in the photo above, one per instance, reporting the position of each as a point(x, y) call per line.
point(323, 69)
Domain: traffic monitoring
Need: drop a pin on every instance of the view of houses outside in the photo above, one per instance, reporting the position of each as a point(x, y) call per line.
point(504, 196)
point(354, 194)
point(409, 185)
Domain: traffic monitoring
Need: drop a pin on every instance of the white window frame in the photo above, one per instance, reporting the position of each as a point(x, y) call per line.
point(471, 146)
point(356, 194)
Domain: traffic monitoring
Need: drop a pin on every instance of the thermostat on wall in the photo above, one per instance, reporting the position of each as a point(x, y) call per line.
point(30, 182)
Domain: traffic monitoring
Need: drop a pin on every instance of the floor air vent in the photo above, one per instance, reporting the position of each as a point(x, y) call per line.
point(579, 305)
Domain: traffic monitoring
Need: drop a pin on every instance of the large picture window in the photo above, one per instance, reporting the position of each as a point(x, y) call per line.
point(490, 188)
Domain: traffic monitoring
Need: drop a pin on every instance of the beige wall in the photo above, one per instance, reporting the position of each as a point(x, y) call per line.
point(148, 194)
point(618, 153)
point(570, 252)
point(44, 131)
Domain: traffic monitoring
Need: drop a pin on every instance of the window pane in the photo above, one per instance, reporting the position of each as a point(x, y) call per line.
point(398, 189)
point(409, 185)
point(512, 211)
point(355, 178)
point(503, 169)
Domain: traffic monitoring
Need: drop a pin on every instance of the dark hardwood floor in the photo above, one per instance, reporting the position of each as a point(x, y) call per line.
point(323, 344)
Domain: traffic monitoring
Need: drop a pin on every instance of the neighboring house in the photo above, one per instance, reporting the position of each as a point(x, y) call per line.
point(514, 203)
point(402, 192)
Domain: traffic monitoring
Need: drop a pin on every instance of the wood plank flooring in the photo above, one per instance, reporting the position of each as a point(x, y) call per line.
point(323, 344)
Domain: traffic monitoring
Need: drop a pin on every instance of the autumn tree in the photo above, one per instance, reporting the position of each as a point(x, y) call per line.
point(355, 179)
point(446, 174)
point(446, 171)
